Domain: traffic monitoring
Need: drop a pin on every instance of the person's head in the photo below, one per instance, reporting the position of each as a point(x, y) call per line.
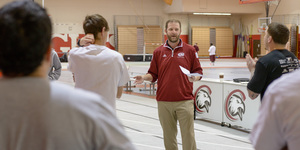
point(196, 43)
point(96, 24)
point(173, 30)
point(25, 37)
point(211, 44)
point(276, 33)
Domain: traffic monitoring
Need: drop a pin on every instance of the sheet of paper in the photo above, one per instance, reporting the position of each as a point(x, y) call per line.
point(188, 73)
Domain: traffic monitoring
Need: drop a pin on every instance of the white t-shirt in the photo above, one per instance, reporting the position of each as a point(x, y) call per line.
point(212, 50)
point(38, 115)
point(278, 123)
point(98, 69)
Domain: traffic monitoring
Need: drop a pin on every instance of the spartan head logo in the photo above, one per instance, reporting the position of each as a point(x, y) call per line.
point(235, 106)
point(202, 99)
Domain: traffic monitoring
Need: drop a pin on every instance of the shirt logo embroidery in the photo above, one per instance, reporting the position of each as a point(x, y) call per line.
point(180, 55)
point(164, 55)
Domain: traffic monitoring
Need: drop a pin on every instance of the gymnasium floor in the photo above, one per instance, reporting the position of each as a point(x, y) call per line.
point(138, 112)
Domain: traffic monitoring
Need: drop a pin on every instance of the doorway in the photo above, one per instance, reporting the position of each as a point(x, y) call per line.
point(256, 48)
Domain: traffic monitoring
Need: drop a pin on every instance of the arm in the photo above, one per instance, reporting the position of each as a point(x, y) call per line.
point(124, 76)
point(120, 90)
point(57, 67)
point(251, 64)
point(196, 68)
point(86, 40)
point(252, 94)
point(258, 81)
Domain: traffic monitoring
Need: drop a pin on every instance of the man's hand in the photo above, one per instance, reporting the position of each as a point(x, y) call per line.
point(251, 63)
point(138, 79)
point(252, 94)
point(87, 40)
point(193, 78)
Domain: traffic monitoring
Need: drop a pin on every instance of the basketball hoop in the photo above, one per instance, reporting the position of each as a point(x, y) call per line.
point(263, 24)
point(261, 30)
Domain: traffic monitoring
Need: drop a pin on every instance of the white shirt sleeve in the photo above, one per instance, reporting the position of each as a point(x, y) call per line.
point(69, 67)
point(124, 73)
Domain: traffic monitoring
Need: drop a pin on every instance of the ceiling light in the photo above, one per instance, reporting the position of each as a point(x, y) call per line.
point(216, 14)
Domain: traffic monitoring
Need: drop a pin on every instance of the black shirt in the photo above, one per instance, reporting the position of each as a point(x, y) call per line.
point(270, 67)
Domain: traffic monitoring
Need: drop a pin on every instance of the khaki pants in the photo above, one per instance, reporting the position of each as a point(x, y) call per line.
point(169, 113)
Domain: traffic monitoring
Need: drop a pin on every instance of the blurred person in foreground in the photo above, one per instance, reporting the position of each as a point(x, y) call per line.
point(40, 115)
point(271, 66)
point(278, 124)
point(175, 99)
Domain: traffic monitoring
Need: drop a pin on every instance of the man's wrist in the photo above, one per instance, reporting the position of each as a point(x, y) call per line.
point(143, 77)
point(78, 43)
point(251, 73)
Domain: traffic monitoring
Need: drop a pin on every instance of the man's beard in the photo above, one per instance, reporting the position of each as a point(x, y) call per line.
point(173, 41)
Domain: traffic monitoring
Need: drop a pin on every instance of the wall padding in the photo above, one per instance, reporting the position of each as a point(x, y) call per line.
point(127, 39)
point(201, 36)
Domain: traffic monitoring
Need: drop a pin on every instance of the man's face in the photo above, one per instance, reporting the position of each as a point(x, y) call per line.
point(173, 32)
point(266, 39)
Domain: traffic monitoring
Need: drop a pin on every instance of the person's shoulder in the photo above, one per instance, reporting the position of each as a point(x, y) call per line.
point(289, 53)
point(268, 57)
point(284, 84)
point(159, 48)
point(113, 54)
point(53, 52)
point(76, 50)
point(188, 47)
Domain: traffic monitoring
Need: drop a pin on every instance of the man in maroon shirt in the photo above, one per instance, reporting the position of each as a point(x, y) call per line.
point(174, 93)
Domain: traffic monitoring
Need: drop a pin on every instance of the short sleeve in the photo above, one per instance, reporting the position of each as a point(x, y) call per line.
point(258, 80)
point(124, 74)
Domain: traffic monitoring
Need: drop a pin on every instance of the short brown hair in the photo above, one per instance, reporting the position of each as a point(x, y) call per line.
point(23, 21)
point(279, 32)
point(173, 20)
point(94, 24)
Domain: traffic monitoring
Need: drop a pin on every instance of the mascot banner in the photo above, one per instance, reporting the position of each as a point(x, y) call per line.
point(226, 103)
point(208, 100)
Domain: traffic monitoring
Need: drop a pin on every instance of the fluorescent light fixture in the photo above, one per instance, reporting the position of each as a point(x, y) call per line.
point(216, 14)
